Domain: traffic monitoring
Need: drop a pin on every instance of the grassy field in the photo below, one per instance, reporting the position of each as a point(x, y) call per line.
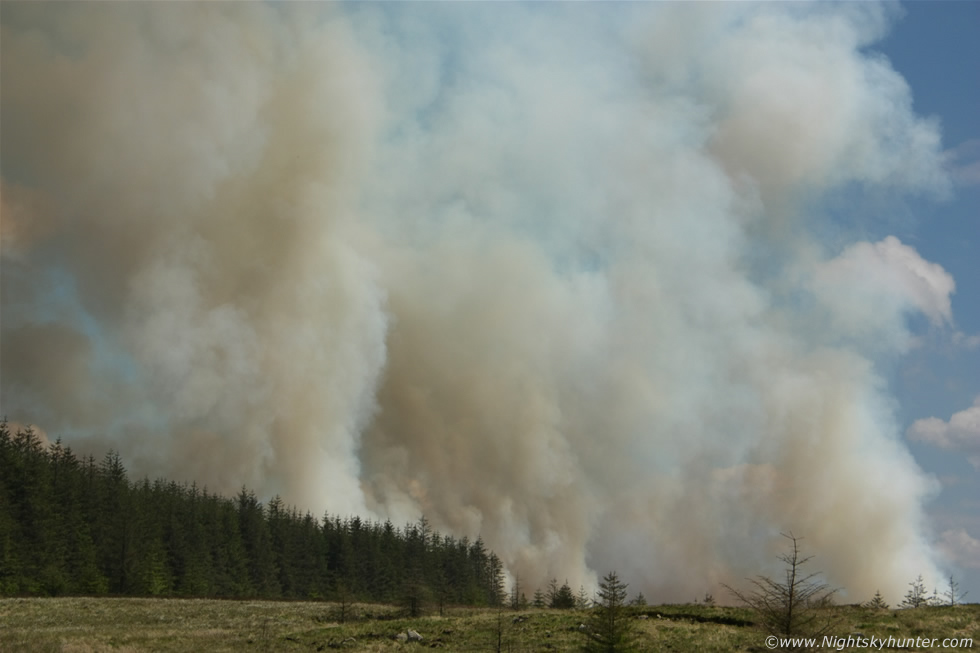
point(82, 625)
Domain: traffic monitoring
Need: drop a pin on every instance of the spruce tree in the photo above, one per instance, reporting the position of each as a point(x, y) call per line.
point(415, 594)
point(538, 598)
point(564, 598)
point(263, 574)
point(10, 562)
point(232, 577)
point(495, 580)
point(916, 596)
point(610, 627)
point(877, 602)
point(114, 537)
point(552, 593)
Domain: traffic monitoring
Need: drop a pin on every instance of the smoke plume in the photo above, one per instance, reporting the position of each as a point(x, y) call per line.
point(549, 274)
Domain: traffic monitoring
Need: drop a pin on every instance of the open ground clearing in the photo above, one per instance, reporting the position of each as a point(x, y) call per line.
point(82, 625)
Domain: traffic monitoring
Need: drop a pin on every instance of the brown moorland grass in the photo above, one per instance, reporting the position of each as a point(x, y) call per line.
point(90, 625)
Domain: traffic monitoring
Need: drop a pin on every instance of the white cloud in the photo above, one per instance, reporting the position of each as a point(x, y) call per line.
point(870, 286)
point(961, 548)
point(960, 433)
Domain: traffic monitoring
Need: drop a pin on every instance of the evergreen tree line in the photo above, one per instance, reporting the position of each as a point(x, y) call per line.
point(77, 526)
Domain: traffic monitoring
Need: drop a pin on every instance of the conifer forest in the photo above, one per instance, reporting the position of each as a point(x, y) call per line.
point(73, 525)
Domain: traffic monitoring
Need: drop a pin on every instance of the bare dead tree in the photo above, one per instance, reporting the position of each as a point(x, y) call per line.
point(953, 595)
point(790, 608)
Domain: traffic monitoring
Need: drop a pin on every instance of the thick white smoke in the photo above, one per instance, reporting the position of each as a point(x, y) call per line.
point(547, 274)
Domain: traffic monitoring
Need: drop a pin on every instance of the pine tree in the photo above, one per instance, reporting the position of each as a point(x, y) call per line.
point(74, 524)
point(552, 595)
point(90, 576)
point(415, 594)
point(610, 627)
point(150, 573)
point(564, 598)
point(538, 598)
point(389, 563)
point(190, 554)
point(495, 580)
point(345, 604)
point(114, 537)
point(263, 573)
point(877, 602)
point(231, 576)
point(477, 564)
point(515, 594)
point(415, 591)
point(916, 596)
point(441, 587)
point(282, 545)
point(306, 560)
point(12, 561)
point(38, 552)
point(952, 594)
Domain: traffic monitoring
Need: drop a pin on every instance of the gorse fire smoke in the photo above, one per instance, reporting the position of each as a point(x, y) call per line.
point(552, 274)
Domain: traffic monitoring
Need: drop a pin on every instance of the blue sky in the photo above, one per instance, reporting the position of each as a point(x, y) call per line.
point(934, 47)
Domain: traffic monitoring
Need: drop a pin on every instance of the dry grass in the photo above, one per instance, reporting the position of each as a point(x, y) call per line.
point(88, 625)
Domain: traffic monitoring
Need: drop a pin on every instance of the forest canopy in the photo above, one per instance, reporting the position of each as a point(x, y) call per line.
point(71, 525)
